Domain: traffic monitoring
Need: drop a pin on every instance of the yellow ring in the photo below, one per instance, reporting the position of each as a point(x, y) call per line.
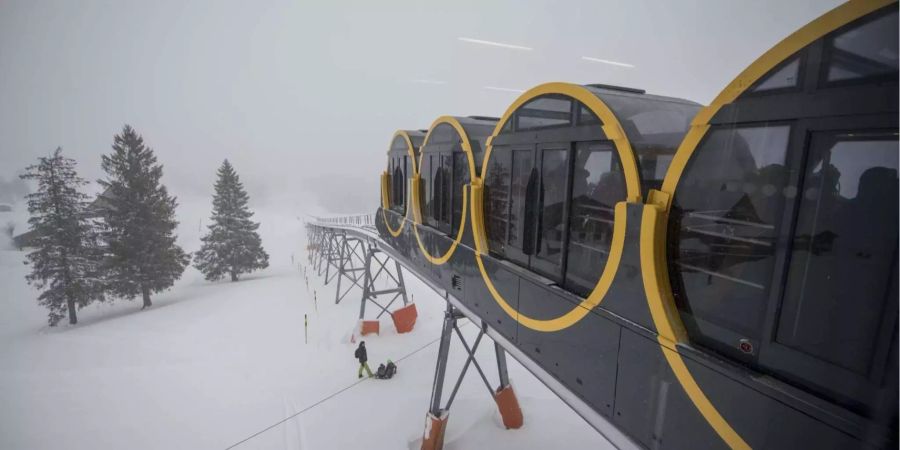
point(412, 156)
point(467, 148)
point(613, 130)
point(654, 271)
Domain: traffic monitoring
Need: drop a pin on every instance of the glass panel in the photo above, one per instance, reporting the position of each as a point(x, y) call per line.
point(597, 185)
point(436, 191)
point(398, 181)
point(545, 112)
point(446, 185)
point(496, 202)
point(866, 50)
point(554, 169)
point(586, 116)
point(784, 77)
point(460, 179)
point(722, 230)
point(443, 133)
point(399, 144)
point(522, 164)
point(404, 167)
point(843, 250)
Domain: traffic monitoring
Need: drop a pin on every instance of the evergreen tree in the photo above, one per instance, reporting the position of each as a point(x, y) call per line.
point(65, 262)
point(139, 217)
point(232, 245)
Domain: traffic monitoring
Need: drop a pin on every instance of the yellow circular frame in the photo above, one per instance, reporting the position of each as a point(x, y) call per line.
point(410, 148)
point(467, 149)
point(658, 289)
point(613, 130)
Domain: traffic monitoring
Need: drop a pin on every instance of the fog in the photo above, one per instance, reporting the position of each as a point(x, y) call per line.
point(303, 97)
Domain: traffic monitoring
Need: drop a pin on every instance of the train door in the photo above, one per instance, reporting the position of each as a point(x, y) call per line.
point(551, 209)
point(522, 186)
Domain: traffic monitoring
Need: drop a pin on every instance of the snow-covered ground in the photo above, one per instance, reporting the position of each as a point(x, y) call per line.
point(213, 363)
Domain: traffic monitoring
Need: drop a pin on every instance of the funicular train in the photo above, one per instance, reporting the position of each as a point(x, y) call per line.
point(702, 276)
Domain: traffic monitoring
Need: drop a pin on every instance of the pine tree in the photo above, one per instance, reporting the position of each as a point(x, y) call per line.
point(139, 222)
point(232, 245)
point(65, 262)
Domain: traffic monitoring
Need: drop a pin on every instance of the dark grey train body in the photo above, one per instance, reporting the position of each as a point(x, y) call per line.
point(702, 277)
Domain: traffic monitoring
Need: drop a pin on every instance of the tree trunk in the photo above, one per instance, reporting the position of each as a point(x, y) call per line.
point(70, 305)
point(146, 291)
point(233, 276)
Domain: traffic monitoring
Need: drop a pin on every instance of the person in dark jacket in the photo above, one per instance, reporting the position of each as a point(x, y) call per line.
point(363, 358)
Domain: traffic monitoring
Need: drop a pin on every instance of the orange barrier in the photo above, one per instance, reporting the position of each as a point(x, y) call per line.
point(405, 318)
point(369, 327)
point(433, 439)
point(509, 408)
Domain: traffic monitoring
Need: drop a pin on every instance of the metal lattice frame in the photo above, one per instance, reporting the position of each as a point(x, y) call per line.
point(451, 318)
point(378, 262)
point(352, 266)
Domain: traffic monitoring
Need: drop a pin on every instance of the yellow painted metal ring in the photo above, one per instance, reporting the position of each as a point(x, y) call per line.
point(613, 130)
point(467, 149)
point(412, 156)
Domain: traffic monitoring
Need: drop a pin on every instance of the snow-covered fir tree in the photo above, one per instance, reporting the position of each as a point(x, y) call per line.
point(232, 246)
point(139, 220)
point(64, 264)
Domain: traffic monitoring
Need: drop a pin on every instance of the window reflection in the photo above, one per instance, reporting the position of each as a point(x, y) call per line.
point(597, 185)
point(544, 112)
point(554, 168)
point(724, 221)
point(867, 50)
point(522, 167)
point(843, 248)
point(785, 77)
point(496, 204)
point(460, 179)
point(446, 184)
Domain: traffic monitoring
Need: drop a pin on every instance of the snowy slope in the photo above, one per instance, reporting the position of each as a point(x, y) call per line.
point(213, 363)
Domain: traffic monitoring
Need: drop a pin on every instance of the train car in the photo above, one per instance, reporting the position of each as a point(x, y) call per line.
point(699, 277)
point(402, 165)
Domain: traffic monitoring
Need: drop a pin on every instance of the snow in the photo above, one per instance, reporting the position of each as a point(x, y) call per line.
point(213, 363)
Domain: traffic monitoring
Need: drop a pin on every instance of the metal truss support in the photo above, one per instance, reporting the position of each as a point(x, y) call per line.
point(377, 268)
point(352, 266)
point(335, 255)
point(503, 395)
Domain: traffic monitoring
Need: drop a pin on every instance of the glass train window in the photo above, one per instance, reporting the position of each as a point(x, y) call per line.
point(431, 164)
point(597, 185)
point(397, 182)
point(436, 189)
point(460, 179)
point(724, 222)
point(586, 116)
point(554, 171)
point(785, 77)
point(443, 133)
point(844, 249)
point(522, 168)
point(496, 193)
point(544, 112)
point(867, 50)
point(446, 192)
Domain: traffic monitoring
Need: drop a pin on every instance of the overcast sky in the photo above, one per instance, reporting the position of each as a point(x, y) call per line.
point(303, 96)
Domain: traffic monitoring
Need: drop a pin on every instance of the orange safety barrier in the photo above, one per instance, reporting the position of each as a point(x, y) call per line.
point(369, 327)
point(405, 318)
point(509, 408)
point(433, 438)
